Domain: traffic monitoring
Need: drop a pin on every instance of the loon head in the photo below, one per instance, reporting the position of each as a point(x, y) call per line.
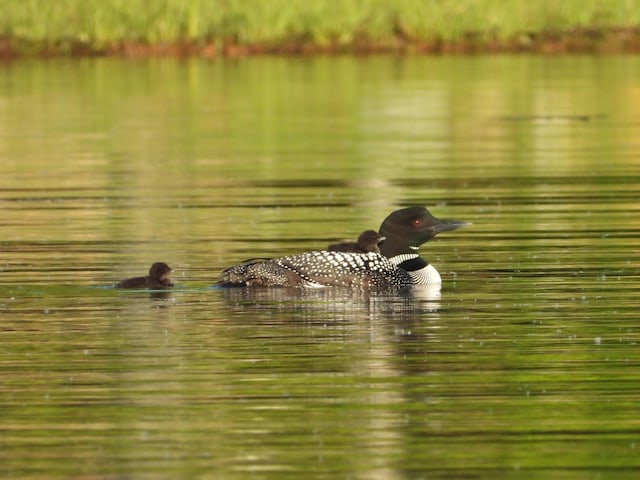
point(368, 241)
point(406, 229)
point(159, 271)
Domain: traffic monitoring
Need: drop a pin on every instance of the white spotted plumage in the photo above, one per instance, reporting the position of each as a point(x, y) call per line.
point(344, 269)
point(317, 269)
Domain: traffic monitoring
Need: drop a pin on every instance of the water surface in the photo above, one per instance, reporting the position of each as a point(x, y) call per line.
point(525, 365)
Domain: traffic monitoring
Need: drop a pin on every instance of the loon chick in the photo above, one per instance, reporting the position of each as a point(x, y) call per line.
point(398, 266)
point(157, 279)
point(367, 242)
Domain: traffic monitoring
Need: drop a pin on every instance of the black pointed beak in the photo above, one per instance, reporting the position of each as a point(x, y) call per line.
point(448, 224)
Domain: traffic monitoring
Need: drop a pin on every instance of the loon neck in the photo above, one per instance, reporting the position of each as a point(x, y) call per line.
point(420, 271)
point(409, 262)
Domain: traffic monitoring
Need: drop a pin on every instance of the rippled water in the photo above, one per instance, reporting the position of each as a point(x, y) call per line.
point(525, 365)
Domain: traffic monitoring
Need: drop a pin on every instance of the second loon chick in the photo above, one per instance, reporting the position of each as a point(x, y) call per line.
point(157, 279)
point(399, 265)
point(367, 242)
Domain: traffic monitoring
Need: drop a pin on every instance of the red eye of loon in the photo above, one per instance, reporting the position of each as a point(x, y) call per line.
point(416, 222)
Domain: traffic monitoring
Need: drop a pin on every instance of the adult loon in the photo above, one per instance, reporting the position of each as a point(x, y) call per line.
point(398, 265)
point(367, 242)
point(157, 279)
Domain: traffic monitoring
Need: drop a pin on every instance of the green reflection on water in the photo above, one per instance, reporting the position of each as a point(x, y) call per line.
point(524, 366)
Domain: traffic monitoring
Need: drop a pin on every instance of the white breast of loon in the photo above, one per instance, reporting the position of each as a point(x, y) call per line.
point(427, 275)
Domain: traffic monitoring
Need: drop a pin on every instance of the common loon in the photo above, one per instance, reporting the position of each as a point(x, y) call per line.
point(157, 279)
point(398, 265)
point(367, 242)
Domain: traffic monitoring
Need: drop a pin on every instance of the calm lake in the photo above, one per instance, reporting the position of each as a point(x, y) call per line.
point(525, 365)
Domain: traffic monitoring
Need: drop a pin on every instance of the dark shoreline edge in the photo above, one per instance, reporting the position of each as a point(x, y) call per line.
point(583, 41)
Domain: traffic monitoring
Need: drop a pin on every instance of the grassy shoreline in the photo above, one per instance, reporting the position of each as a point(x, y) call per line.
point(243, 27)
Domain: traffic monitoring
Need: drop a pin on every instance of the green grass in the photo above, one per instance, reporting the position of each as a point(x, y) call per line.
point(102, 25)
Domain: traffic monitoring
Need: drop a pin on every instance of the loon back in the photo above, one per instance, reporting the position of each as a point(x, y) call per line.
point(319, 269)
